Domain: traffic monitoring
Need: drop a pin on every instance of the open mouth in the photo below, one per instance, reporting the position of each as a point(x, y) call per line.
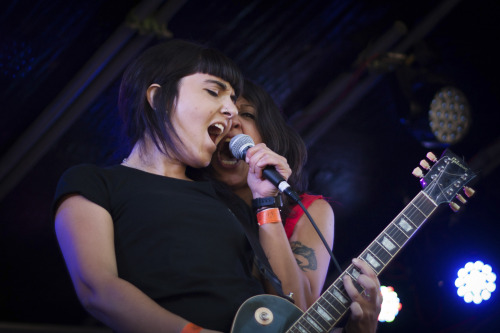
point(224, 155)
point(215, 130)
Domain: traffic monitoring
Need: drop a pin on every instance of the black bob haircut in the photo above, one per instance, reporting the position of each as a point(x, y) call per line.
point(166, 64)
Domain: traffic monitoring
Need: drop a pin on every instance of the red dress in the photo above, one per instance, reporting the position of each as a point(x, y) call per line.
point(297, 212)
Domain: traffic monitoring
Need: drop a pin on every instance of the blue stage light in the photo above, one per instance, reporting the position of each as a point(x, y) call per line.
point(475, 282)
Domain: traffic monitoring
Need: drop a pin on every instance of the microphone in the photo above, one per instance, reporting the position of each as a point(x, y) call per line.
point(239, 146)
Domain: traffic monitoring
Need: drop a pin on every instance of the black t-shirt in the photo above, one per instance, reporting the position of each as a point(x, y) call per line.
point(174, 239)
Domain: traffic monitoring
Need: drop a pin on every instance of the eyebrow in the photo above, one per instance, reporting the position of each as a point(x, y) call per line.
point(223, 86)
point(219, 83)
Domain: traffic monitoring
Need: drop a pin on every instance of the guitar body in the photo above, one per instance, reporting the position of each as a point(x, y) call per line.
point(265, 313)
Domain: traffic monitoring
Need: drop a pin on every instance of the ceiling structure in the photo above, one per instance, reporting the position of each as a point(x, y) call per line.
point(346, 74)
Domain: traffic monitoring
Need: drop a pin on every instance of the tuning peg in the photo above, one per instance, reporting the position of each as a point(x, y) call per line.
point(454, 207)
point(424, 164)
point(469, 192)
point(461, 198)
point(417, 172)
point(431, 157)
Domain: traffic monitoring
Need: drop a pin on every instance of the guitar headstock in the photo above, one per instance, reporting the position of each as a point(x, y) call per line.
point(445, 179)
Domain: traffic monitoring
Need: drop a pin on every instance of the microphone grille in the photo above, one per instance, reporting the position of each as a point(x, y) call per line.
point(239, 145)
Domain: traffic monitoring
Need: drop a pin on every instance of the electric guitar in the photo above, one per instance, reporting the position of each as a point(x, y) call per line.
point(273, 314)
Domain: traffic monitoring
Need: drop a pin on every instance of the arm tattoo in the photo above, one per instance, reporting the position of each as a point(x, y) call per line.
point(306, 254)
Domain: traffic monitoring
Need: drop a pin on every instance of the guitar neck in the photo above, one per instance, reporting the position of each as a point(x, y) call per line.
point(326, 312)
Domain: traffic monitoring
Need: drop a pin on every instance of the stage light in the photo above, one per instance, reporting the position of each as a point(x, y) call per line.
point(449, 115)
point(439, 115)
point(435, 111)
point(475, 282)
point(390, 304)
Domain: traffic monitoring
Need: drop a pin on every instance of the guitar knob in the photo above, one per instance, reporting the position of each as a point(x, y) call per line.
point(431, 157)
point(454, 207)
point(417, 172)
point(264, 316)
point(461, 198)
point(469, 192)
point(424, 164)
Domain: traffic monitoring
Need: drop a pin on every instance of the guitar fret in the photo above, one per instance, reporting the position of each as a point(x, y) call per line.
point(322, 308)
point(406, 225)
point(302, 329)
point(336, 299)
point(353, 272)
point(323, 314)
point(304, 326)
point(414, 216)
point(318, 317)
point(358, 286)
point(325, 318)
point(339, 291)
point(420, 210)
point(314, 324)
point(426, 204)
point(396, 234)
point(388, 243)
point(330, 302)
point(380, 252)
point(372, 261)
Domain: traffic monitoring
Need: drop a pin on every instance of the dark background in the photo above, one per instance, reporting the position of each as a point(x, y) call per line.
point(327, 65)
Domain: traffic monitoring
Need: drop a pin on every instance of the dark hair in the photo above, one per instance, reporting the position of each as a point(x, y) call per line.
point(166, 64)
point(278, 136)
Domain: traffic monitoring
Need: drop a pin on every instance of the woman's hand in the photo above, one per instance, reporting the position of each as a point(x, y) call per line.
point(365, 307)
point(258, 158)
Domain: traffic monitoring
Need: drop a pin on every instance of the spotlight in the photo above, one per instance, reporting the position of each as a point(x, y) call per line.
point(475, 282)
point(449, 115)
point(390, 304)
point(435, 111)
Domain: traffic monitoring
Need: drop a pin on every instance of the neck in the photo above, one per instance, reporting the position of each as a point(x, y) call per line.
point(244, 193)
point(146, 157)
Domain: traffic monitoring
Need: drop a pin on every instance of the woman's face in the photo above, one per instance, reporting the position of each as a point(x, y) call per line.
point(202, 116)
point(227, 168)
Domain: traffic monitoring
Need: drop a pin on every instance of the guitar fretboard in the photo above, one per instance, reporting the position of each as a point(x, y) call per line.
point(325, 313)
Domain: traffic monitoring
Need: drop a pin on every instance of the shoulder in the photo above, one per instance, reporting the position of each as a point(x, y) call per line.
point(321, 211)
point(321, 204)
point(80, 172)
point(90, 181)
point(89, 175)
point(315, 204)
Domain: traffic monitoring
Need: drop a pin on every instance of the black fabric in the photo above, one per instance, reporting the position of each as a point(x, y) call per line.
point(249, 221)
point(175, 240)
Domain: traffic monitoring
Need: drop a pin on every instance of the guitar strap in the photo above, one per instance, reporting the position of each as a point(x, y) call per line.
point(261, 261)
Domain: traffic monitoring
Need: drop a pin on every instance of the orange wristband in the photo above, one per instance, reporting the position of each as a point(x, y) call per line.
point(271, 215)
point(191, 328)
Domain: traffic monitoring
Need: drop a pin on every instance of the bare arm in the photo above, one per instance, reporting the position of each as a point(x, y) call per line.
point(85, 234)
point(301, 262)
